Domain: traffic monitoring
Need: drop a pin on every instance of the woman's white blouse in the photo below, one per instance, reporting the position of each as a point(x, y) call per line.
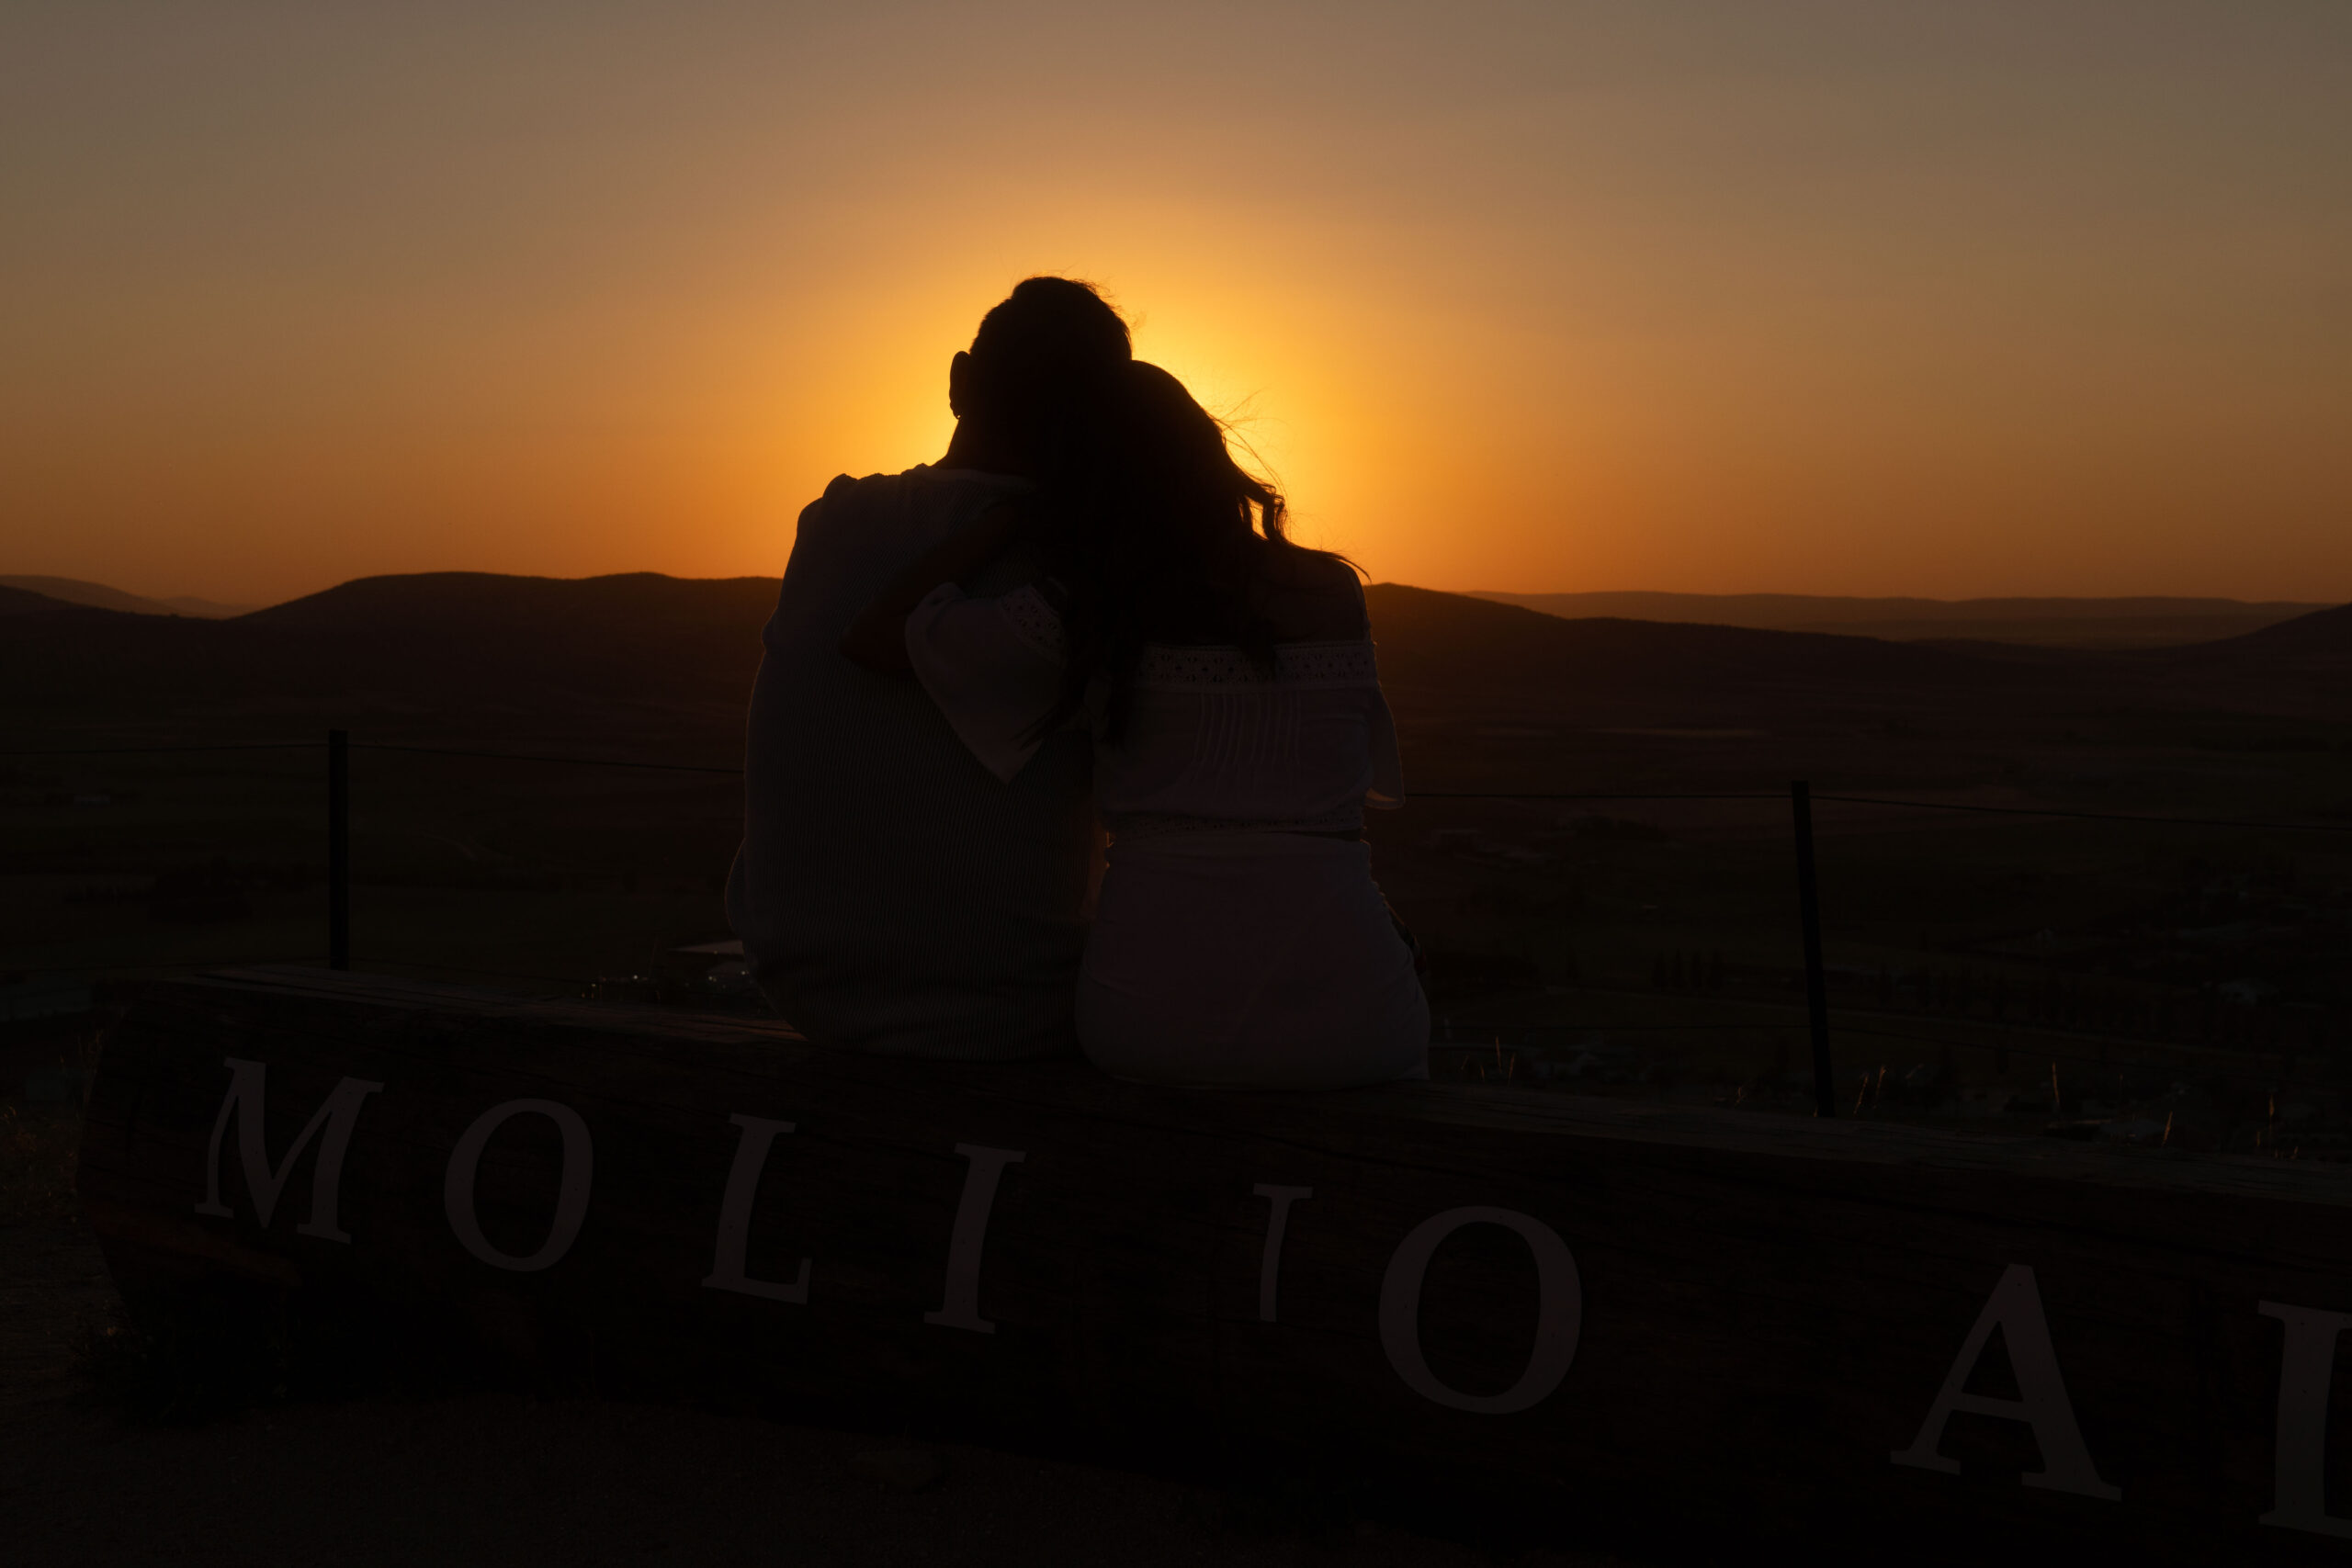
point(1209, 742)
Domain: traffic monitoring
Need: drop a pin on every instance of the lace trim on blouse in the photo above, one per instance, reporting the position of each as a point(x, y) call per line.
point(1302, 666)
point(1032, 620)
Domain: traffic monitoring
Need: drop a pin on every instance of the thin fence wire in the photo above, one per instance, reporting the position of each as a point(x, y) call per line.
point(2024, 1050)
point(528, 757)
point(375, 963)
point(368, 746)
point(2091, 816)
point(243, 963)
point(165, 750)
point(2019, 1036)
point(2066, 813)
point(1780, 795)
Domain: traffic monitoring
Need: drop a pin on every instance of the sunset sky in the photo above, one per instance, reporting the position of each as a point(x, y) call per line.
point(1872, 298)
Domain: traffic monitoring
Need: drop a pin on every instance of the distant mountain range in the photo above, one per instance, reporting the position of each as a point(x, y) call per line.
point(2044, 623)
point(73, 591)
point(444, 643)
point(2089, 624)
point(2048, 623)
point(434, 642)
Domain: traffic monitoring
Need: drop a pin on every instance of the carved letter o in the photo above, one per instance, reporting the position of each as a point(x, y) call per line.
point(572, 1192)
point(1559, 1310)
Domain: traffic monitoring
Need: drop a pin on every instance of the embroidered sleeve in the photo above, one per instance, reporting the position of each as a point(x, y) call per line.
point(1032, 620)
point(985, 674)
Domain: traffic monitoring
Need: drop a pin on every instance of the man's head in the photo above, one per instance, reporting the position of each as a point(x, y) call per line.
point(1051, 337)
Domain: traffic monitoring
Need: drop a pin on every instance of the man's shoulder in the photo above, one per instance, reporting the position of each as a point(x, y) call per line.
point(849, 492)
point(855, 511)
point(920, 501)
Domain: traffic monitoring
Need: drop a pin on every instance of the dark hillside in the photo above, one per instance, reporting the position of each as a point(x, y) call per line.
point(2300, 667)
point(456, 643)
point(2043, 622)
point(25, 601)
point(1477, 652)
point(2322, 634)
point(442, 641)
point(95, 595)
point(520, 609)
point(638, 637)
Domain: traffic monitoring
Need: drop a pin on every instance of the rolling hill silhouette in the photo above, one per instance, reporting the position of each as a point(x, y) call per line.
point(634, 637)
point(437, 641)
point(26, 601)
point(74, 591)
point(450, 642)
point(2116, 623)
point(1450, 648)
point(2323, 634)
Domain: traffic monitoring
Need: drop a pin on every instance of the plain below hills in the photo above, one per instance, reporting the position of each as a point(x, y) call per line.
point(453, 644)
point(2044, 623)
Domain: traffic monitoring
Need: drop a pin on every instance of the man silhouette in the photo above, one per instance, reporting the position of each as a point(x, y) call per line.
point(894, 896)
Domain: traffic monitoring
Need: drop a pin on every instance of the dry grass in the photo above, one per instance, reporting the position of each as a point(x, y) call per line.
point(39, 1140)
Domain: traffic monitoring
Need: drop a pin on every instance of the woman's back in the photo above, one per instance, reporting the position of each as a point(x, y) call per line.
point(1239, 939)
point(1210, 737)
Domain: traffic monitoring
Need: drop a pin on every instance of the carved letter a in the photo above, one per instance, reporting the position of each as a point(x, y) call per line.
point(2015, 1310)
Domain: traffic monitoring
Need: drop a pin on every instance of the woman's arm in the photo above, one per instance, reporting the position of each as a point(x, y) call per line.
point(878, 640)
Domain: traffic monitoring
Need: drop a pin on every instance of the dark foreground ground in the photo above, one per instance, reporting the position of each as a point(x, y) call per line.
point(502, 1478)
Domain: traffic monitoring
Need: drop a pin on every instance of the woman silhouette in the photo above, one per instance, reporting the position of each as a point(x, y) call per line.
point(1226, 680)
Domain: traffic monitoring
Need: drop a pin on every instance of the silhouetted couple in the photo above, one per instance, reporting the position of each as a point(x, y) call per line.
point(1086, 608)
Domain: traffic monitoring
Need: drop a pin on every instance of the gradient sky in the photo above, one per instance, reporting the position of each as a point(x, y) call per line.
point(1883, 297)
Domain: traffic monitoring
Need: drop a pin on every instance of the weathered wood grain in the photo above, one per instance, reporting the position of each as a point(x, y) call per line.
point(1766, 1308)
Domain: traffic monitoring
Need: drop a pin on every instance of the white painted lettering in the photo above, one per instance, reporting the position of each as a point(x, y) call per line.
point(735, 1217)
point(1559, 1310)
point(1277, 1221)
point(960, 1307)
point(2306, 1368)
point(339, 1115)
point(2015, 1309)
point(572, 1187)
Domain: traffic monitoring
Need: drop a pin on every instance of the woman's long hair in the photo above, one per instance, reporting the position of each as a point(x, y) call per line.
point(1147, 527)
point(1154, 534)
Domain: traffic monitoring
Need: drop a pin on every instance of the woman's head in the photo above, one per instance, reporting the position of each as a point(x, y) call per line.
point(1182, 523)
point(1153, 531)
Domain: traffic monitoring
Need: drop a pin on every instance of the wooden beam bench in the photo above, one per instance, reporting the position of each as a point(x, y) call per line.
point(1600, 1316)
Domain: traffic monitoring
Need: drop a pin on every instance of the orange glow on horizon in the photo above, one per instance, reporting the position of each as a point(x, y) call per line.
point(1517, 298)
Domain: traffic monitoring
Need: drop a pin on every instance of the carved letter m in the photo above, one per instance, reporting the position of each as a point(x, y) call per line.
point(339, 1115)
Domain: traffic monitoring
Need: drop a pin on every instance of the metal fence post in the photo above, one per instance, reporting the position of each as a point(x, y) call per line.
point(1816, 981)
point(338, 849)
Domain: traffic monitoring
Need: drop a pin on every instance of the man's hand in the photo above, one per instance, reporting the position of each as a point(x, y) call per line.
point(878, 640)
